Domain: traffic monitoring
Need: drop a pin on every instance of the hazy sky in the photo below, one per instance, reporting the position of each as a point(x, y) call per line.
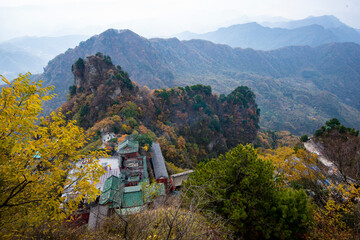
point(156, 18)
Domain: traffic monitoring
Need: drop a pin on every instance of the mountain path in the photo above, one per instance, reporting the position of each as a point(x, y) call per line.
point(312, 147)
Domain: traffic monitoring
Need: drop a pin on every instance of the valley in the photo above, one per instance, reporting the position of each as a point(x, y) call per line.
point(235, 130)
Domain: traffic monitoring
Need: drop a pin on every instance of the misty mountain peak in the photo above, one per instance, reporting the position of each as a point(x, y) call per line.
point(118, 32)
point(327, 21)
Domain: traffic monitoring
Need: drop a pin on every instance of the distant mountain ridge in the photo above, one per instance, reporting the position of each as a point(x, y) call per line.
point(297, 88)
point(326, 21)
point(312, 31)
point(31, 54)
point(14, 61)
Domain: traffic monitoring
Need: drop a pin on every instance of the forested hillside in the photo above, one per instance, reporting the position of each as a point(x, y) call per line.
point(191, 123)
point(297, 88)
point(283, 193)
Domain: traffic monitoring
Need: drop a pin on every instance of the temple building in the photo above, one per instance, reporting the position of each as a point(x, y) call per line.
point(127, 188)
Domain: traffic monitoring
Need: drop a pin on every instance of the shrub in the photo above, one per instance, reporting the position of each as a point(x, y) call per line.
point(304, 138)
point(80, 64)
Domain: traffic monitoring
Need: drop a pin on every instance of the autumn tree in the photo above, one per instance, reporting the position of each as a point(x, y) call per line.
point(43, 174)
point(298, 168)
point(293, 165)
point(341, 145)
point(337, 212)
point(339, 218)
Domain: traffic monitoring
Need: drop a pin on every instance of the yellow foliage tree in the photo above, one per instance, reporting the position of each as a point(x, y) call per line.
point(181, 143)
point(43, 174)
point(339, 219)
point(122, 138)
point(143, 129)
point(337, 215)
point(105, 124)
point(293, 165)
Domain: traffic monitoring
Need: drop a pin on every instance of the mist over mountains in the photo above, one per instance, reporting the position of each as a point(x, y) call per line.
point(312, 31)
point(31, 54)
point(297, 88)
point(308, 74)
point(326, 21)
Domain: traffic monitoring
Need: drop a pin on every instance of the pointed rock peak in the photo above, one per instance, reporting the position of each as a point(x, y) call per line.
point(98, 72)
point(115, 32)
point(87, 72)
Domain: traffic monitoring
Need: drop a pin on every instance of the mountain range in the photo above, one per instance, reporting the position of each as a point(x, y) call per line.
point(297, 88)
point(25, 54)
point(312, 31)
point(326, 21)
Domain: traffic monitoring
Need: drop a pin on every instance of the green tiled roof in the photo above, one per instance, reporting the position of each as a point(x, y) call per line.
point(112, 183)
point(132, 197)
point(111, 192)
point(128, 146)
point(132, 189)
point(112, 196)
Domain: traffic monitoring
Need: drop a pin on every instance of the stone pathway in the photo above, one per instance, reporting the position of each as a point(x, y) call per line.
point(312, 147)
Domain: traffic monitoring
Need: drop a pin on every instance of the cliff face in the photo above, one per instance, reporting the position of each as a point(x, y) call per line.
point(190, 123)
point(90, 75)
